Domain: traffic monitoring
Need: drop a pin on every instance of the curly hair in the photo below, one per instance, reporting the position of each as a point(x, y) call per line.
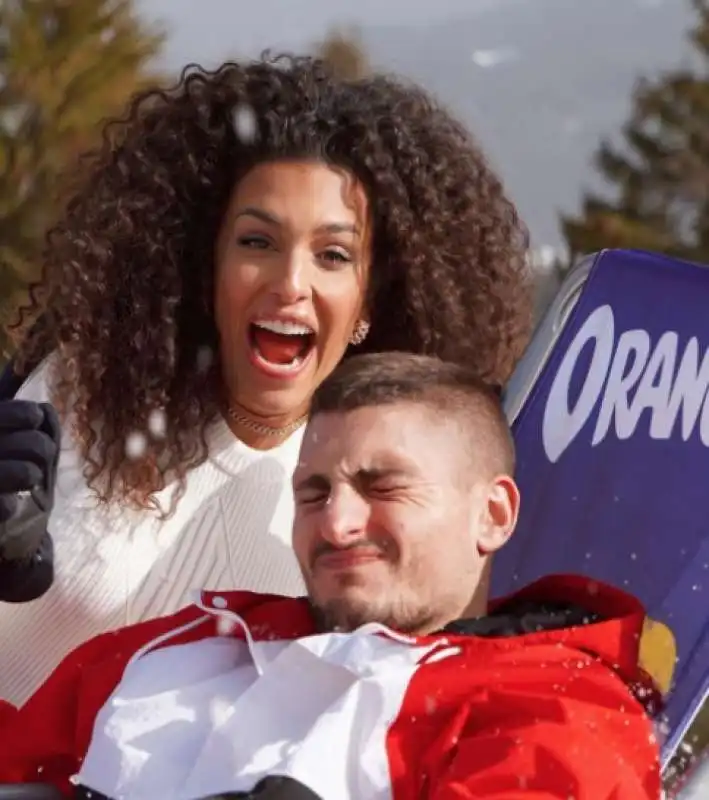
point(126, 290)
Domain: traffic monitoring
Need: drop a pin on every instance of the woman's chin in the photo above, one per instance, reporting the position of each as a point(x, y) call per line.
point(277, 394)
point(274, 406)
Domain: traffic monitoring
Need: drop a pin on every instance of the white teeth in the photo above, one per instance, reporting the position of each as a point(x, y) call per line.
point(284, 327)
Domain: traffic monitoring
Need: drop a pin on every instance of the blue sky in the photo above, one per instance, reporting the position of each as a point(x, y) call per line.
point(209, 30)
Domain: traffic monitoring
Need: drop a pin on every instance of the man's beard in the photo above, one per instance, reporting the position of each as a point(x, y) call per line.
point(403, 615)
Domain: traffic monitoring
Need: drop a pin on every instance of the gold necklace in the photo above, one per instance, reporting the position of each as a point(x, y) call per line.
point(263, 429)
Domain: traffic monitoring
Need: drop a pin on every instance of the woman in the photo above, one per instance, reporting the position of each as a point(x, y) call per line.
point(232, 241)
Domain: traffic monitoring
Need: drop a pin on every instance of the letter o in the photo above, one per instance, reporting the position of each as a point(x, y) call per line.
point(561, 424)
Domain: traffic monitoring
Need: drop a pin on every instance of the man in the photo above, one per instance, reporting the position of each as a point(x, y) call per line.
point(396, 678)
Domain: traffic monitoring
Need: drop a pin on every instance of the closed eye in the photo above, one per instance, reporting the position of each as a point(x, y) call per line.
point(310, 498)
point(385, 491)
point(384, 483)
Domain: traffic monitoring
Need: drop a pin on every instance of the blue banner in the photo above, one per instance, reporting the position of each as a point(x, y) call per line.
point(613, 458)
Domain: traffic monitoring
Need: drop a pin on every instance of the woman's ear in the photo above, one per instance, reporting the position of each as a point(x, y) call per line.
point(500, 514)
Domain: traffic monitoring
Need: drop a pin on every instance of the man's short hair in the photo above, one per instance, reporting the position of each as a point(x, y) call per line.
point(377, 379)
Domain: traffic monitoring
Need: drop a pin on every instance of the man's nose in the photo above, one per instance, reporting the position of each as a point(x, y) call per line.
point(292, 281)
point(344, 518)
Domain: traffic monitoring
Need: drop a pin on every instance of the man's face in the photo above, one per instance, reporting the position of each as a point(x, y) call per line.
point(391, 518)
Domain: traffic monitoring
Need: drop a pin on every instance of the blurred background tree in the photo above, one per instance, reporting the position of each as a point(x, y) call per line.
point(65, 65)
point(345, 53)
point(660, 172)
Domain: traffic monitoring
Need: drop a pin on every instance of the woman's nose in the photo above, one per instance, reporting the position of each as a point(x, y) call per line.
point(292, 282)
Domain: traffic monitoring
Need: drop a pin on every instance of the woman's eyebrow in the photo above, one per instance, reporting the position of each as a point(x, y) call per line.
point(272, 219)
point(259, 213)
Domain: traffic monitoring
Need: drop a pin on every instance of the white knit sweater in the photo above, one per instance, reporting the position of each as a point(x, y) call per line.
point(114, 567)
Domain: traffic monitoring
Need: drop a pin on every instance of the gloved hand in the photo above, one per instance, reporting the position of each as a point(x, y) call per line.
point(273, 787)
point(30, 437)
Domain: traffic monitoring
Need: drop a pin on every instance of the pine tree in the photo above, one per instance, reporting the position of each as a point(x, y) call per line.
point(345, 54)
point(65, 65)
point(660, 172)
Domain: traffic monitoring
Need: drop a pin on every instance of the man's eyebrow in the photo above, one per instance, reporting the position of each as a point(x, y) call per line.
point(321, 483)
point(312, 482)
point(375, 473)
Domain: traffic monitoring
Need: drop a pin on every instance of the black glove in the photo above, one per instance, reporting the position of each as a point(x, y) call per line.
point(271, 788)
point(30, 436)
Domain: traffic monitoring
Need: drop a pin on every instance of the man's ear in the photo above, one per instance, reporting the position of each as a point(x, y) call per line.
point(500, 514)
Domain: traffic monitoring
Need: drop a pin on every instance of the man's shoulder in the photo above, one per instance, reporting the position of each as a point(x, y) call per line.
point(571, 610)
point(574, 616)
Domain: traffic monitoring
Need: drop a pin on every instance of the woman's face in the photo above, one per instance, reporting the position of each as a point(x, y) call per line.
point(292, 261)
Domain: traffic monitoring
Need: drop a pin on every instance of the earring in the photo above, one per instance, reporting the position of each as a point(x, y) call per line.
point(359, 334)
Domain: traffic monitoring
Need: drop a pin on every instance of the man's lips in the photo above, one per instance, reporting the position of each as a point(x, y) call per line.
point(346, 559)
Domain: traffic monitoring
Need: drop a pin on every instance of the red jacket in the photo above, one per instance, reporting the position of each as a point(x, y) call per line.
point(176, 707)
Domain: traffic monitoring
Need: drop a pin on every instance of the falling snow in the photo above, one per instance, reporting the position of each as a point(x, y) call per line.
point(136, 445)
point(205, 357)
point(157, 423)
point(226, 626)
point(245, 123)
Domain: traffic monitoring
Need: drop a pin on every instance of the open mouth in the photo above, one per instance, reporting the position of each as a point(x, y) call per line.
point(280, 344)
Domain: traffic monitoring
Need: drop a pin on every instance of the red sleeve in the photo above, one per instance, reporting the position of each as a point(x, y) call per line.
point(7, 712)
point(38, 743)
point(45, 740)
point(568, 729)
